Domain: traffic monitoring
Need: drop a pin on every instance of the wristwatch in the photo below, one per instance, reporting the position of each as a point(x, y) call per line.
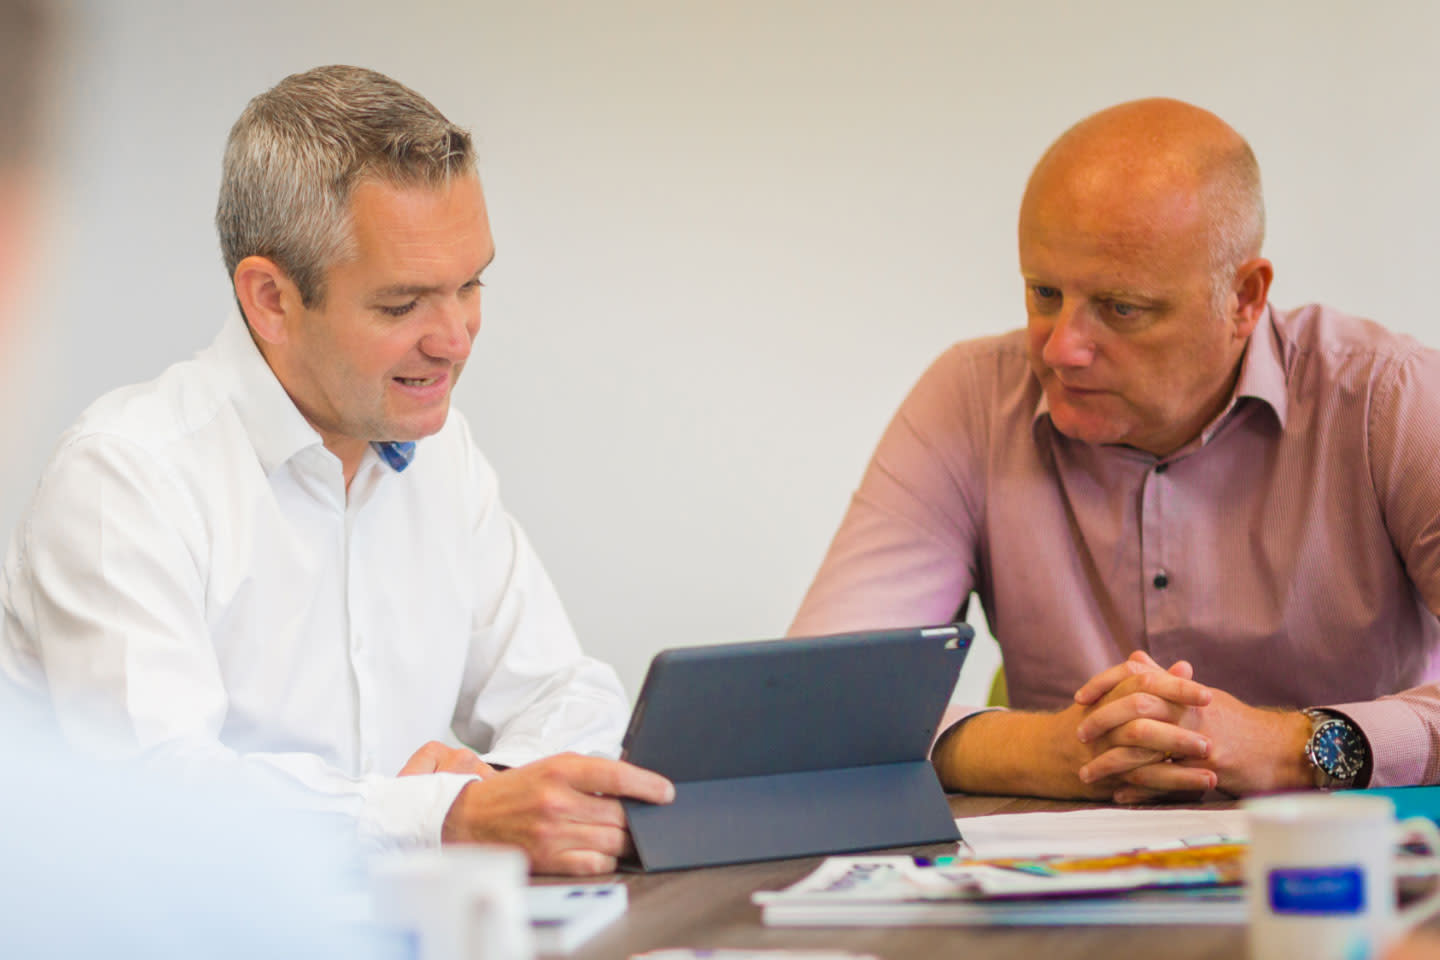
point(1337, 751)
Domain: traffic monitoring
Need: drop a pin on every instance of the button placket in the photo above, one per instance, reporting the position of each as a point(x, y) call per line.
point(1157, 576)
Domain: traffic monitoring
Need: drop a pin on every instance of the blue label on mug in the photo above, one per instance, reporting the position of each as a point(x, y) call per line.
point(1317, 890)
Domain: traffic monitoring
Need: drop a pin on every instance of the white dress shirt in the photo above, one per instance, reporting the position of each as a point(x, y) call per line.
point(192, 585)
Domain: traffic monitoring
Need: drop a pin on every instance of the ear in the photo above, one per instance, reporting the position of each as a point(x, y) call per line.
point(1252, 292)
point(267, 296)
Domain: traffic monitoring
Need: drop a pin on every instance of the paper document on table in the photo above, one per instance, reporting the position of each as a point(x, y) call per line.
point(1189, 886)
point(563, 916)
point(1100, 831)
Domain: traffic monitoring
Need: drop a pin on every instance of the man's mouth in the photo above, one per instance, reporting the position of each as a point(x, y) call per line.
point(1075, 389)
point(417, 381)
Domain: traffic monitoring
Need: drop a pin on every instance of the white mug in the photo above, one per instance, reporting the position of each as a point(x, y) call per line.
point(1320, 875)
point(455, 903)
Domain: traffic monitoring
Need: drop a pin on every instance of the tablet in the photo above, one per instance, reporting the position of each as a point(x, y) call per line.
point(795, 747)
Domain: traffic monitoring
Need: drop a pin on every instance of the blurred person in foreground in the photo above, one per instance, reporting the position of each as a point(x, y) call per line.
point(287, 556)
point(103, 858)
point(1205, 530)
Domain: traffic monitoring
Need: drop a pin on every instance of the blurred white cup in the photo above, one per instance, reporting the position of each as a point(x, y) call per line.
point(455, 903)
point(1320, 875)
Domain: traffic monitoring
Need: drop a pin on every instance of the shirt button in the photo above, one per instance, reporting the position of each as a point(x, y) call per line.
point(1162, 580)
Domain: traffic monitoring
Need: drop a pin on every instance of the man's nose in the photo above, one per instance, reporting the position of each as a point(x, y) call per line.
point(454, 331)
point(1071, 343)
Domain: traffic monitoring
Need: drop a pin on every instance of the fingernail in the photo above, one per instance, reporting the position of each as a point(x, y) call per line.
point(1084, 775)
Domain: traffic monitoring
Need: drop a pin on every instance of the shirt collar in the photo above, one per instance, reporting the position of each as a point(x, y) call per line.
point(1262, 373)
point(277, 428)
point(1262, 377)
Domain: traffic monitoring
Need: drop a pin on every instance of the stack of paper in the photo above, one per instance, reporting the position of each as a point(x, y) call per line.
point(1106, 866)
point(895, 891)
point(563, 916)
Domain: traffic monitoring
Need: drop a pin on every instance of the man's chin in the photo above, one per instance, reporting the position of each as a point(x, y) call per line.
point(418, 428)
point(1086, 429)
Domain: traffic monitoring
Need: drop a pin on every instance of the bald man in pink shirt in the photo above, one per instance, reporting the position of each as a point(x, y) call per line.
point(1205, 531)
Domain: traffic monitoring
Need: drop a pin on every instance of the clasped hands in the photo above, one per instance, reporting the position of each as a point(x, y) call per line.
point(563, 811)
point(1152, 732)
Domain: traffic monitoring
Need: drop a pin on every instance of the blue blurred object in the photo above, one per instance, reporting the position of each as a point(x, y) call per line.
point(1410, 801)
point(112, 861)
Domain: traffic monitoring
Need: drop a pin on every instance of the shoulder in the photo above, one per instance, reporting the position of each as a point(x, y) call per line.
point(1001, 357)
point(1320, 341)
point(158, 416)
point(977, 380)
point(1349, 370)
point(157, 443)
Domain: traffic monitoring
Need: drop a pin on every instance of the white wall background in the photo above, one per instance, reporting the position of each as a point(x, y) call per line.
point(730, 234)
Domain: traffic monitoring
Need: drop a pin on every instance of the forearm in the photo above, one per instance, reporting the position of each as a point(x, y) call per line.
point(386, 811)
point(1256, 749)
point(1016, 753)
point(1266, 757)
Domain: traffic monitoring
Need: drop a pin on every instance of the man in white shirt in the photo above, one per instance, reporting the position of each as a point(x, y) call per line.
point(286, 556)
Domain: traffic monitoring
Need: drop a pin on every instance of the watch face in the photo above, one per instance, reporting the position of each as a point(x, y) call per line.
point(1338, 749)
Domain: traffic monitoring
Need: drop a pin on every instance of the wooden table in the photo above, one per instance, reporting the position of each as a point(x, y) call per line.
point(711, 908)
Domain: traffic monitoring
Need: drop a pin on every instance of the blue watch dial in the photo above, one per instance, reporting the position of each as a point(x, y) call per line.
point(1338, 748)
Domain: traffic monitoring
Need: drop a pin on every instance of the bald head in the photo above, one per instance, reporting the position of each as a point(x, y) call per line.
point(1151, 162)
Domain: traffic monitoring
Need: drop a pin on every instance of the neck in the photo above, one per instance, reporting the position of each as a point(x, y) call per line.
point(349, 452)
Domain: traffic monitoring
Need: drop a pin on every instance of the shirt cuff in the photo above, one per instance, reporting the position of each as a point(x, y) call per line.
point(409, 811)
point(1393, 729)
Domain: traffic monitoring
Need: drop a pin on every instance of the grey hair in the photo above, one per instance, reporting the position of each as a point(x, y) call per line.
point(1236, 202)
point(300, 148)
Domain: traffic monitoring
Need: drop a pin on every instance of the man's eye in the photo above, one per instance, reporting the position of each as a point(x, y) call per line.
point(1126, 311)
point(1043, 292)
point(399, 311)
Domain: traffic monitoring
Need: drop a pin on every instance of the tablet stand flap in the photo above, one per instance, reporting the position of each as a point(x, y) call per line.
point(782, 815)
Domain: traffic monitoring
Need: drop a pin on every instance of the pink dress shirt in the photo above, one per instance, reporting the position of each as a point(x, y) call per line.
point(1291, 552)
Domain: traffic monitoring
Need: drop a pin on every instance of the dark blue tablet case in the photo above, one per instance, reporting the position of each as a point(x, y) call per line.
point(790, 748)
